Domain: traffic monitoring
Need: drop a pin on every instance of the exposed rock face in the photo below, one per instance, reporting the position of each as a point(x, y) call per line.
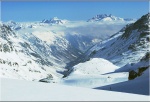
point(133, 74)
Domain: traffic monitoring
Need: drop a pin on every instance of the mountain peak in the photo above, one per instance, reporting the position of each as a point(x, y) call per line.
point(132, 38)
point(107, 17)
point(54, 20)
point(11, 22)
point(103, 15)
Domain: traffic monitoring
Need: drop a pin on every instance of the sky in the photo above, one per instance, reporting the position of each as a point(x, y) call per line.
point(37, 11)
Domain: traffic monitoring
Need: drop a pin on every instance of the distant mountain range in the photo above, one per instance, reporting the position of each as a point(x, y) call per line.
point(45, 51)
point(108, 17)
point(97, 18)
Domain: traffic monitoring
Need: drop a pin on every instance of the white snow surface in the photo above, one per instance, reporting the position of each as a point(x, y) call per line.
point(139, 85)
point(18, 63)
point(117, 50)
point(91, 74)
point(95, 66)
point(16, 90)
point(92, 81)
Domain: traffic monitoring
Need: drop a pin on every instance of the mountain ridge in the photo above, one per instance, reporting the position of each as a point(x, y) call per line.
point(108, 17)
point(54, 20)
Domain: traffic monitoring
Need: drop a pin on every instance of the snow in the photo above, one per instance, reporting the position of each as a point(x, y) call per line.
point(117, 49)
point(139, 85)
point(54, 21)
point(45, 36)
point(49, 32)
point(92, 81)
point(92, 74)
point(133, 66)
point(24, 70)
point(27, 68)
point(95, 66)
point(51, 44)
point(108, 18)
point(16, 90)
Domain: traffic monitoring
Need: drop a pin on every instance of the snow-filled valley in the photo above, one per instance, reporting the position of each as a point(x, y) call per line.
point(89, 56)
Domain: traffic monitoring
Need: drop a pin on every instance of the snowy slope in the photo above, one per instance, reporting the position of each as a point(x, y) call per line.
point(129, 45)
point(37, 50)
point(140, 85)
point(59, 34)
point(144, 62)
point(82, 42)
point(15, 90)
point(54, 46)
point(92, 81)
point(127, 49)
point(25, 56)
point(80, 34)
point(95, 66)
point(48, 47)
point(91, 74)
point(20, 60)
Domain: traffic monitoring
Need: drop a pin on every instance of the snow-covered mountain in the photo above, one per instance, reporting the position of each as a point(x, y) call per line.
point(107, 17)
point(81, 42)
point(54, 20)
point(42, 51)
point(128, 50)
point(13, 25)
point(80, 34)
point(24, 55)
point(129, 45)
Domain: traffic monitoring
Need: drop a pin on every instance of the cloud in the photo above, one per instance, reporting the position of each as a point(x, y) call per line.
point(96, 30)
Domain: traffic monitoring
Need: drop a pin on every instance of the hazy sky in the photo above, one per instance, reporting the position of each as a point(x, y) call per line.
point(37, 11)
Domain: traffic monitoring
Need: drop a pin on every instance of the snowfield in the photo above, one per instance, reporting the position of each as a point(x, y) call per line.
point(139, 85)
point(92, 81)
point(17, 90)
point(74, 60)
point(95, 66)
point(92, 74)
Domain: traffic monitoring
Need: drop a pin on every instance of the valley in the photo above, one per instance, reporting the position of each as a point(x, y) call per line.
point(99, 53)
